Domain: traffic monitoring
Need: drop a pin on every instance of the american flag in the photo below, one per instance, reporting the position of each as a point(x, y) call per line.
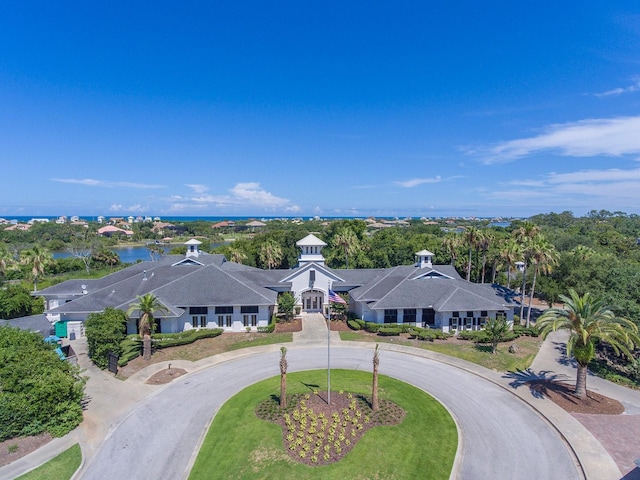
point(335, 298)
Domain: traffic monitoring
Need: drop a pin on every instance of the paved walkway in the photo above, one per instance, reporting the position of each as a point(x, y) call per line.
point(111, 401)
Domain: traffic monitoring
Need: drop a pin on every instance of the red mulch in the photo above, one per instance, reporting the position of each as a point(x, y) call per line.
point(562, 395)
point(165, 376)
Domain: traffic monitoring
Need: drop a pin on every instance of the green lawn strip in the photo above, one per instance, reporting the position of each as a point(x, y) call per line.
point(502, 361)
point(239, 445)
point(61, 467)
point(266, 339)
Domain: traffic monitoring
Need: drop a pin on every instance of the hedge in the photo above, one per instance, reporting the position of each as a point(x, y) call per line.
point(389, 331)
point(354, 325)
point(165, 340)
point(269, 328)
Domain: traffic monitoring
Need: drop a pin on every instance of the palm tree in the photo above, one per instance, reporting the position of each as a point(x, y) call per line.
point(38, 259)
point(146, 306)
point(589, 320)
point(451, 242)
point(484, 242)
point(236, 255)
point(472, 236)
point(525, 235)
point(283, 377)
point(347, 241)
point(270, 254)
point(375, 404)
point(544, 257)
point(510, 253)
point(7, 261)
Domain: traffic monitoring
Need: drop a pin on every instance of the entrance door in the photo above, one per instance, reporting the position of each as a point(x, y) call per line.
point(312, 300)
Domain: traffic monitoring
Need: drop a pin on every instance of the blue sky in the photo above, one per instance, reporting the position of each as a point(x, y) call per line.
point(404, 108)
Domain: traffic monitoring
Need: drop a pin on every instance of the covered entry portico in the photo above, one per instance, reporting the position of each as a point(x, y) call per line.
point(312, 300)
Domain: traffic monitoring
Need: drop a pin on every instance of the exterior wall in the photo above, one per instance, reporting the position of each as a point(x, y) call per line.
point(302, 283)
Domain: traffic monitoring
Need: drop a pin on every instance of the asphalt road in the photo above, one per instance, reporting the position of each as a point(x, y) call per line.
point(502, 437)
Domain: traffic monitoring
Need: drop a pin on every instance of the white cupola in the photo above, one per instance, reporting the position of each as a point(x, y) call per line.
point(424, 258)
point(193, 249)
point(310, 250)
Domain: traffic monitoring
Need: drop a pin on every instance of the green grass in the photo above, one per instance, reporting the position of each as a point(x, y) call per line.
point(61, 467)
point(502, 361)
point(239, 445)
point(265, 339)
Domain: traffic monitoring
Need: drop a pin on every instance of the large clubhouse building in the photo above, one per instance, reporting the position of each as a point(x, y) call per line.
point(201, 290)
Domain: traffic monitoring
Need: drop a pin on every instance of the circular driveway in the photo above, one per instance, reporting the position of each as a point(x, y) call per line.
point(502, 438)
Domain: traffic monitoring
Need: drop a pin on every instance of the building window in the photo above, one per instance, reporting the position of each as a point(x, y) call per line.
point(224, 321)
point(455, 314)
point(250, 320)
point(223, 310)
point(428, 317)
point(391, 316)
point(198, 310)
point(409, 315)
point(470, 314)
point(484, 313)
point(249, 309)
point(199, 321)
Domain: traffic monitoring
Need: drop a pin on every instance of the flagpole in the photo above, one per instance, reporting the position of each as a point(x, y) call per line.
point(328, 342)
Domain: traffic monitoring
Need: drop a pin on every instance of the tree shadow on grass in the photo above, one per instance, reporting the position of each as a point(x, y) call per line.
point(536, 381)
point(483, 348)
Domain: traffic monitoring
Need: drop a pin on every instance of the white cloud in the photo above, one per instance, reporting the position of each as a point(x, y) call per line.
point(615, 189)
point(90, 182)
point(255, 195)
point(635, 87)
point(585, 138)
point(197, 188)
point(137, 208)
point(242, 194)
point(414, 182)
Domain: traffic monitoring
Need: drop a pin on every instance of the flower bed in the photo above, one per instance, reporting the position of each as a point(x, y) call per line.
point(316, 433)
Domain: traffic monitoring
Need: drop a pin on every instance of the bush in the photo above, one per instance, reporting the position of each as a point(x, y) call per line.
point(354, 325)
point(105, 332)
point(269, 328)
point(131, 347)
point(371, 327)
point(165, 340)
point(524, 331)
point(432, 334)
point(389, 331)
point(39, 392)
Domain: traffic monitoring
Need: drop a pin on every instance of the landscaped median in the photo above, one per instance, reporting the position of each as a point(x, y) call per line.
point(241, 445)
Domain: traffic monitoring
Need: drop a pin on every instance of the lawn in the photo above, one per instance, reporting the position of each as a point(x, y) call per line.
point(239, 445)
point(61, 467)
point(502, 361)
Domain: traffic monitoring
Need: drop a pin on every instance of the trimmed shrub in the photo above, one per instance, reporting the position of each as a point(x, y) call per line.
point(524, 331)
point(131, 347)
point(165, 340)
point(389, 331)
point(371, 327)
point(269, 328)
point(354, 325)
point(432, 334)
point(105, 332)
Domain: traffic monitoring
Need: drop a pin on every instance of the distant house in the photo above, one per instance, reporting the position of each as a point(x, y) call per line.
point(201, 290)
point(109, 230)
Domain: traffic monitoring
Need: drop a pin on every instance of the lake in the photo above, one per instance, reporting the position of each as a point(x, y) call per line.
point(126, 254)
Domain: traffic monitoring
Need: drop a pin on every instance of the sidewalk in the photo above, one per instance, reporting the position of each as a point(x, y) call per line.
point(618, 434)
